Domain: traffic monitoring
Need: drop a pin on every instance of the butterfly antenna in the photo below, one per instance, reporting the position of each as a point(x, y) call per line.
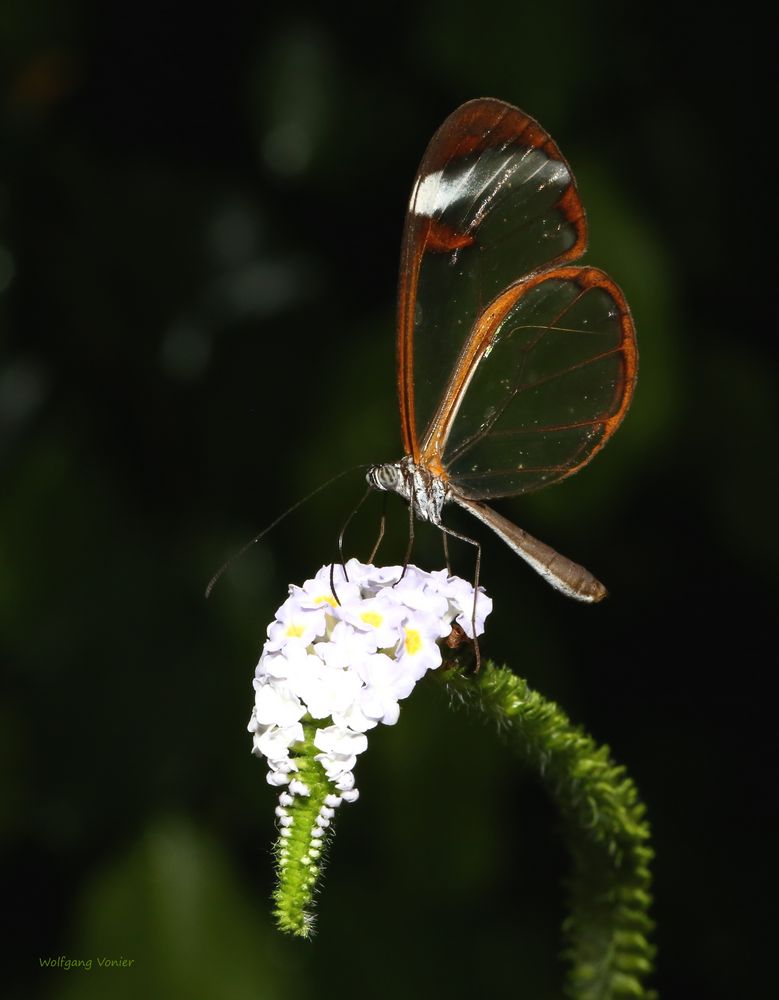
point(236, 555)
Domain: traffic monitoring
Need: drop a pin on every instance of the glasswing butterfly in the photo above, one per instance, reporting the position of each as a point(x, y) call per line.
point(513, 367)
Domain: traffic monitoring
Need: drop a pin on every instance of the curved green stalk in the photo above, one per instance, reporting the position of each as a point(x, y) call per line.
point(608, 927)
point(607, 930)
point(298, 855)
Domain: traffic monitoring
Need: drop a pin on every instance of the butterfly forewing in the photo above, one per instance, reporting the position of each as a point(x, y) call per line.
point(541, 384)
point(493, 200)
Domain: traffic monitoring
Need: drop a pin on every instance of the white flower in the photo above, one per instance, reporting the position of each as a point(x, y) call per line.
point(273, 664)
point(376, 578)
point(354, 718)
point(417, 594)
point(273, 741)
point(419, 651)
point(459, 593)
point(385, 685)
point(360, 573)
point(345, 783)
point(378, 618)
point(325, 690)
point(340, 741)
point(295, 625)
point(317, 593)
point(276, 703)
point(333, 668)
point(346, 647)
point(340, 747)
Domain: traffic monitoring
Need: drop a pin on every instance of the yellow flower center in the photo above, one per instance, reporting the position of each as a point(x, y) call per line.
point(413, 641)
point(372, 618)
point(295, 631)
point(326, 599)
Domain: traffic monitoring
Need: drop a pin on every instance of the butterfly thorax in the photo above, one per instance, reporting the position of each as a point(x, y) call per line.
point(424, 490)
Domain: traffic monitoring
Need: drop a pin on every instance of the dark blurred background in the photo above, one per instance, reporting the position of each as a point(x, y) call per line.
point(200, 216)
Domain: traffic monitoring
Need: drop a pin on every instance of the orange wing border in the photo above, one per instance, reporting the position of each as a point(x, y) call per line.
point(480, 340)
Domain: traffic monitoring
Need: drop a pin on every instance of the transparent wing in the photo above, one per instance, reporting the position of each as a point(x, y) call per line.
point(541, 384)
point(493, 200)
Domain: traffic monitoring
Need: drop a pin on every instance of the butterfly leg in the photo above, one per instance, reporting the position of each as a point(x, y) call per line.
point(471, 541)
point(382, 525)
point(410, 546)
point(446, 553)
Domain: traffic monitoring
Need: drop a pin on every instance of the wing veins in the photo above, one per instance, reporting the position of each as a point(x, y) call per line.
point(550, 428)
point(571, 368)
point(514, 469)
point(533, 385)
point(485, 429)
point(558, 329)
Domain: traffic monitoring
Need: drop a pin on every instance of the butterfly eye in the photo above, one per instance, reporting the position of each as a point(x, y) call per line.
point(385, 477)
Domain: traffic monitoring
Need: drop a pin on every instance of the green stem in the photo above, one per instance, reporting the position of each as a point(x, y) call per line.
point(608, 837)
point(298, 856)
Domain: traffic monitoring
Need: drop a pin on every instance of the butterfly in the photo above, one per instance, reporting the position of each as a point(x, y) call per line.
point(514, 368)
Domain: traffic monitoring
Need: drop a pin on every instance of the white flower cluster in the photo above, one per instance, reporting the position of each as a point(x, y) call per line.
point(348, 663)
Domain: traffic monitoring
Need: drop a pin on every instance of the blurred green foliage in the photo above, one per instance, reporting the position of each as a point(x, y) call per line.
point(199, 223)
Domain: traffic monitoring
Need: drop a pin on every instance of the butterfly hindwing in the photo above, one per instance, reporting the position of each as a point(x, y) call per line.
point(542, 383)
